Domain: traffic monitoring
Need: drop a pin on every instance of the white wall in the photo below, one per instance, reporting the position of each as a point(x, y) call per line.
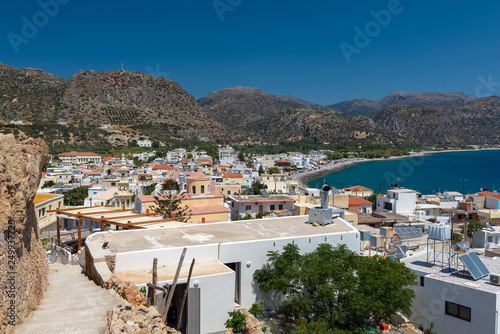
point(491, 203)
point(429, 306)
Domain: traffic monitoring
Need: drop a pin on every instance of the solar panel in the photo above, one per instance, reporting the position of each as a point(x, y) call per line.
point(292, 192)
point(265, 193)
point(488, 225)
point(391, 257)
point(475, 273)
point(476, 267)
point(479, 264)
point(399, 253)
point(404, 248)
point(407, 232)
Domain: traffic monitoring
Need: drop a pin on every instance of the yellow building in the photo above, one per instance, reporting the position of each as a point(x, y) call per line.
point(43, 204)
point(204, 203)
point(489, 216)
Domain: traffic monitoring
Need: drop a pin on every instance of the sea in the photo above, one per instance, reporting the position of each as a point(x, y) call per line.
point(463, 171)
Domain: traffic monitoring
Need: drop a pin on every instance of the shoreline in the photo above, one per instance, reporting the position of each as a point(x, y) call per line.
point(303, 179)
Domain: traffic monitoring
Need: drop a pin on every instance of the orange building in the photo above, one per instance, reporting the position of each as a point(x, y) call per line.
point(202, 201)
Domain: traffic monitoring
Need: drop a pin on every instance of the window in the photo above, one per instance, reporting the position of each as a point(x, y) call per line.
point(273, 207)
point(280, 207)
point(248, 208)
point(202, 189)
point(194, 189)
point(422, 280)
point(458, 311)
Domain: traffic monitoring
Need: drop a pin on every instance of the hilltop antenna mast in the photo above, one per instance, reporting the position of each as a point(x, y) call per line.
point(122, 65)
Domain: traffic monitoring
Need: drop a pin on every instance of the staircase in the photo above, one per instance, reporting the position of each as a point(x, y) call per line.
point(71, 304)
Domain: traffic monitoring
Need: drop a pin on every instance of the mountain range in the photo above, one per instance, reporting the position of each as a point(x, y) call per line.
point(139, 105)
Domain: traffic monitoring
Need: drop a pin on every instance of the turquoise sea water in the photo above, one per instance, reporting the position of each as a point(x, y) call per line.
point(454, 171)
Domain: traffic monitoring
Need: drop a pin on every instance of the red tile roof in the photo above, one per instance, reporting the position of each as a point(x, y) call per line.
point(107, 159)
point(204, 160)
point(76, 153)
point(358, 201)
point(162, 167)
point(233, 175)
point(283, 162)
point(489, 193)
point(184, 160)
point(88, 170)
point(358, 188)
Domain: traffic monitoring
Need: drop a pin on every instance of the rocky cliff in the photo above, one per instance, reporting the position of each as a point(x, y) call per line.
point(23, 265)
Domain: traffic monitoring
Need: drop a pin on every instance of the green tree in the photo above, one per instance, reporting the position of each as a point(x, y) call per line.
point(261, 170)
point(241, 156)
point(336, 286)
point(274, 170)
point(373, 198)
point(472, 226)
point(48, 184)
point(170, 203)
point(76, 196)
point(256, 187)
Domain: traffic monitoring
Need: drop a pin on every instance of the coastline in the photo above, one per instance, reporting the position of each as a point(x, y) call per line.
point(332, 167)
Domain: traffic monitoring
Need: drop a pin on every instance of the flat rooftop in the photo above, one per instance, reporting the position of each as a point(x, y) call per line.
point(213, 233)
point(260, 198)
point(167, 273)
point(419, 262)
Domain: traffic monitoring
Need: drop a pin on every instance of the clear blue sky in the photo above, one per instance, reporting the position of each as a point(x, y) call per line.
point(284, 47)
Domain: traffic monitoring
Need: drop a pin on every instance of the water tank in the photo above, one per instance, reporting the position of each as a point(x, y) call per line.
point(461, 247)
point(439, 232)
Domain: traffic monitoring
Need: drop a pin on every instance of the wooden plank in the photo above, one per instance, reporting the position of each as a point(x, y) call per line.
point(163, 299)
point(179, 316)
point(58, 230)
point(152, 286)
point(174, 284)
point(95, 213)
point(155, 280)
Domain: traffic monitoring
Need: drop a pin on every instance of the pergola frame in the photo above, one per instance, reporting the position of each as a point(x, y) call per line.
point(79, 215)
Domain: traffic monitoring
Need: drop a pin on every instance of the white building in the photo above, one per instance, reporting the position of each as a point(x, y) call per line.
point(400, 201)
point(455, 304)
point(74, 157)
point(144, 143)
point(241, 205)
point(226, 255)
point(16, 122)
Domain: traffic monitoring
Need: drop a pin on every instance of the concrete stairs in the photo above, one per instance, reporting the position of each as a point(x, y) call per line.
point(71, 304)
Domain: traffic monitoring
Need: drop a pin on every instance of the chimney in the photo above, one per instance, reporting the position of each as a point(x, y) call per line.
point(325, 194)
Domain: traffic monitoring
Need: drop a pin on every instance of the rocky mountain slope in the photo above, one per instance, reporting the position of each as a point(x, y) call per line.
point(23, 264)
point(146, 104)
point(474, 123)
point(370, 108)
point(268, 117)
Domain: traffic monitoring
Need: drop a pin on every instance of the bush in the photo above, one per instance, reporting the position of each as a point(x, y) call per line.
point(257, 309)
point(236, 322)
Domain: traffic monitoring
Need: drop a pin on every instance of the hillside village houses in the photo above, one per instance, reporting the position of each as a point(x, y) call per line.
point(220, 190)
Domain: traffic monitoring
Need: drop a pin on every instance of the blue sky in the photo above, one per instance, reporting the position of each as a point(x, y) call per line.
point(284, 47)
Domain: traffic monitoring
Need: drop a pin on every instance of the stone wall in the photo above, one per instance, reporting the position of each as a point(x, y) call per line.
point(23, 264)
